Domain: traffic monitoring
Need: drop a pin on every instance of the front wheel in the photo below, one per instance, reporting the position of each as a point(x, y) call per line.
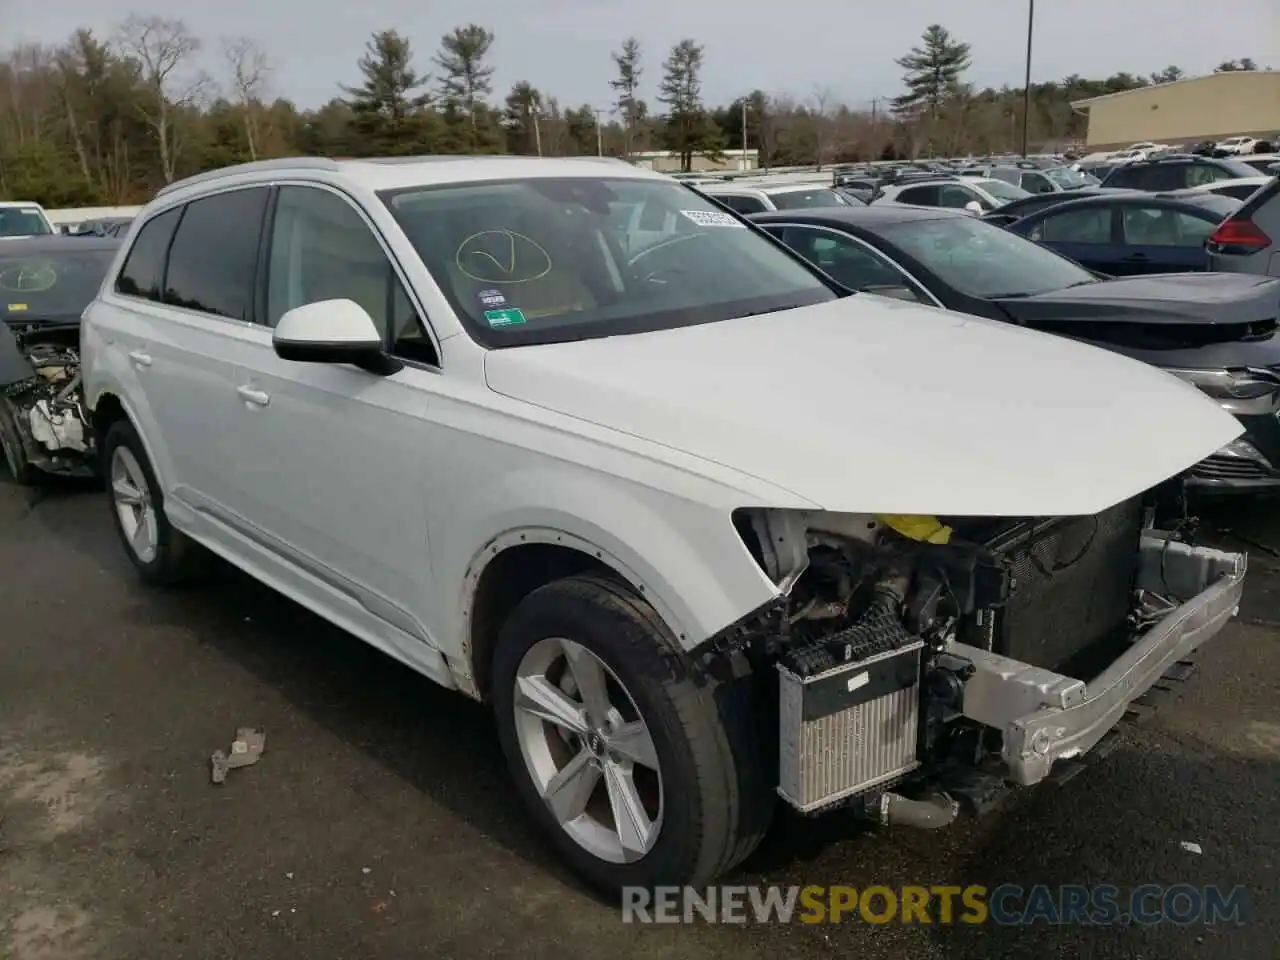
point(628, 766)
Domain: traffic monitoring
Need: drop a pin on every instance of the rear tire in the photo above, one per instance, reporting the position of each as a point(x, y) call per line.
point(710, 804)
point(162, 555)
point(12, 451)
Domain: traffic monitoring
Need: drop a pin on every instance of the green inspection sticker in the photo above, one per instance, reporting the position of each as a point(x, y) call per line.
point(504, 318)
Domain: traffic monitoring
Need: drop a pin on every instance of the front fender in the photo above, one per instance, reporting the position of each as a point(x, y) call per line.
point(684, 556)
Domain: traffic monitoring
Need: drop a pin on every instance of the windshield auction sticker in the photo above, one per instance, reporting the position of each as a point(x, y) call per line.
point(713, 218)
point(510, 317)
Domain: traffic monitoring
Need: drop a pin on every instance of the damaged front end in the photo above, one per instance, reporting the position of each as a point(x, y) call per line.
point(43, 425)
point(946, 658)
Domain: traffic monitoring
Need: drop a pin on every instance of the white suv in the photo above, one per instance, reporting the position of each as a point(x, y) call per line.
point(672, 507)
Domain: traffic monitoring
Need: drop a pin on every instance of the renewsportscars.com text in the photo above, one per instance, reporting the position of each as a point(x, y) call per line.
point(1005, 905)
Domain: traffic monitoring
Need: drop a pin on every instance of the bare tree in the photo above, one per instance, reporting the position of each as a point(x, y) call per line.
point(162, 49)
point(820, 101)
point(249, 69)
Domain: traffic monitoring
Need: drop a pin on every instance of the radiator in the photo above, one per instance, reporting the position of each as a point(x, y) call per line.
point(1072, 586)
point(848, 727)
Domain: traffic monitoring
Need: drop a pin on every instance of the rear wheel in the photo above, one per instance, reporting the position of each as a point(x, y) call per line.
point(161, 554)
point(627, 765)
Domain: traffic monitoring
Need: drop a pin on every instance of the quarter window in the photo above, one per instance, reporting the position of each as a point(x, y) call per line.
point(214, 254)
point(920, 196)
point(143, 272)
point(322, 249)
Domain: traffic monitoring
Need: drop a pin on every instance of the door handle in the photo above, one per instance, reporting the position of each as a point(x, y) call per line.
point(140, 359)
point(259, 398)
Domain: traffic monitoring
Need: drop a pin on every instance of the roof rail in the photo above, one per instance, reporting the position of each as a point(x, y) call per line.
point(279, 163)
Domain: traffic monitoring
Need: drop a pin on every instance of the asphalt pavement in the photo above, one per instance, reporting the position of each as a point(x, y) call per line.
point(379, 822)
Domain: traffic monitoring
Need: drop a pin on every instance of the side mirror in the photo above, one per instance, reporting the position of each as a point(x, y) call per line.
point(973, 206)
point(332, 331)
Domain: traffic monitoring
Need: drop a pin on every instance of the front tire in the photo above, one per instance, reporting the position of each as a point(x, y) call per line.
point(162, 555)
point(632, 770)
point(11, 449)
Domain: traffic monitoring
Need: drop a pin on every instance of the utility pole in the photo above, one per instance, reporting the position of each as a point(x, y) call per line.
point(744, 133)
point(1026, 93)
point(599, 133)
point(537, 129)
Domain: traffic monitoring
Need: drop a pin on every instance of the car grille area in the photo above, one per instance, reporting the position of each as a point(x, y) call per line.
point(1073, 582)
point(1218, 467)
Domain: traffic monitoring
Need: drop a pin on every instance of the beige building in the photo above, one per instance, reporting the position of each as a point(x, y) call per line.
point(1239, 103)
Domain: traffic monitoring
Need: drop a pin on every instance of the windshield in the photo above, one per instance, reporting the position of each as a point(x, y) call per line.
point(50, 286)
point(551, 260)
point(23, 222)
point(983, 260)
point(1004, 192)
point(801, 199)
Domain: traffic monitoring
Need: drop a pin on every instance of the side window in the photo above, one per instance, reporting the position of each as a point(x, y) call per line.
point(143, 272)
point(322, 249)
point(1091, 225)
point(1126, 177)
point(845, 260)
point(1036, 183)
point(742, 204)
point(214, 255)
point(956, 196)
point(1161, 227)
point(920, 196)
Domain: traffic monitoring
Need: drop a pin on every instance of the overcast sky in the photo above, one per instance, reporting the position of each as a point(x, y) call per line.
point(563, 46)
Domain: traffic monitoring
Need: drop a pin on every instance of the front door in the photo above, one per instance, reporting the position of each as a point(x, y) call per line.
point(332, 471)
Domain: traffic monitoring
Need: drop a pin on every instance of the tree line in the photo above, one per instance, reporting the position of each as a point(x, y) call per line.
point(108, 120)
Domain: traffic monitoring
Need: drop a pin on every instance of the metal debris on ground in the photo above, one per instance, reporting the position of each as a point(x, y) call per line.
point(246, 750)
point(1190, 847)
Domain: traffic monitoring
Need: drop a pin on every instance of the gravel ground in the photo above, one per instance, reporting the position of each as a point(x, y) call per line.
point(379, 822)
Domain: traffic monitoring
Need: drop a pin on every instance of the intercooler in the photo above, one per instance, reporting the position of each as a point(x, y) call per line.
point(848, 713)
point(1073, 581)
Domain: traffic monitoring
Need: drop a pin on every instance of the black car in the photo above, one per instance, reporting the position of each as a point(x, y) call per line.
point(1025, 207)
point(1123, 233)
point(1218, 331)
point(1176, 173)
point(45, 284)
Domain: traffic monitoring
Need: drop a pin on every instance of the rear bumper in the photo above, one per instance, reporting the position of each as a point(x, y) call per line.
point(1045, 716)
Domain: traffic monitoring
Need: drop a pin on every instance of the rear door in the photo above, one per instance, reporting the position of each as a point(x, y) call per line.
point(187, 287)
point(1086, 235)
point(1159, 239)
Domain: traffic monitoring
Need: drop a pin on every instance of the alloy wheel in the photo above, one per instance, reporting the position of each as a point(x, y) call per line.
point(132, 498)
point(588, 750)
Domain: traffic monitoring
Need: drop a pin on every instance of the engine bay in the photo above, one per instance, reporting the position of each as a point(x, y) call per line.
point(882, 620)
point(43, 425)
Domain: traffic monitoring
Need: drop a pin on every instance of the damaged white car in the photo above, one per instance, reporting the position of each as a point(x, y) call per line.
point(705, 530)
point(45, 284)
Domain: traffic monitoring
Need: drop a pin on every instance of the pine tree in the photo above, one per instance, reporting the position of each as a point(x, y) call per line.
point(688, 129)
point(466, 82)
point(520, 119)
point(933, 72)
point(389, 117)
point(627, 85)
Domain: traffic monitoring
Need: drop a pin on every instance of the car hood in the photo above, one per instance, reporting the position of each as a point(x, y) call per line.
point(1219, 298)
point(871, 405)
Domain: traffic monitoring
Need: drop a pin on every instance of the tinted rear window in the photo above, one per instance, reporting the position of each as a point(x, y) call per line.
point(143, 271)
point(214, 255)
